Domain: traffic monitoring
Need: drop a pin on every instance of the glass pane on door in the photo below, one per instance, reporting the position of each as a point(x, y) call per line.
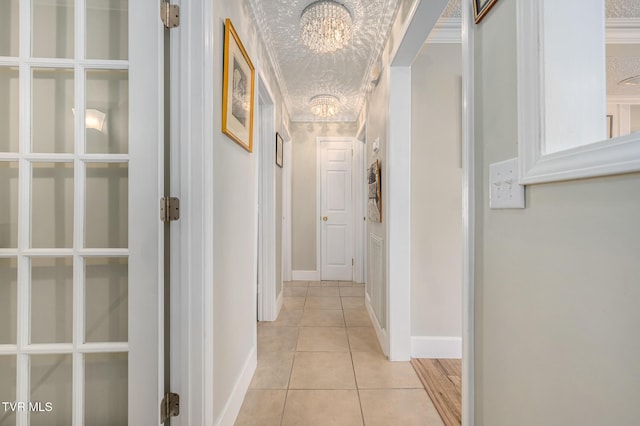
point(9, 208)
point(8, 388)
point(9, 26)
point(51, 300)
point(52, 205)
point(107, 29)
point(8, 303)
point(106, 386)
point(107, 205)
point(51, 383)
point(52, 122)
point(9, 109)
point(107, 112)
point(53, 28)
point(106, 299)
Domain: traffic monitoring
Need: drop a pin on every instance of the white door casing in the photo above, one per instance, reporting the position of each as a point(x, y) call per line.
point(81, 251)
point(336, 209)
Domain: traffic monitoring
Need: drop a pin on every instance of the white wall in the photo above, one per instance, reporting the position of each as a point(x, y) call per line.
point(556, 284)
point(303, 195)
point(436, 192)
point(235, 233)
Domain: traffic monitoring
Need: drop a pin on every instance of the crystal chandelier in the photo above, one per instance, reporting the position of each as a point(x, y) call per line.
point(324, 106)
point(325, 26)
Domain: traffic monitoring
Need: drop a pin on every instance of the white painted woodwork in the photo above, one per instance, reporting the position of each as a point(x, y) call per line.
point(376, 291)
point(266, 154)
point(468, 213)
point(360, 194)
point(89, 272)
point(336, 206)
point(562, 97)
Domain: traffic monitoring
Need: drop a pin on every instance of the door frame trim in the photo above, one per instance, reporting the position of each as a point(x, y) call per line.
point(268, 306)
point(192, 271)
point(146, 247)
point(319, 141)
point(287, 188)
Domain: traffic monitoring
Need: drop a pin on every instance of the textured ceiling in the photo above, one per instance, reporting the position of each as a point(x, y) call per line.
point(304, 74)
point(623, 61)
point(452, 10)
point(623, 9)
point(346, 74)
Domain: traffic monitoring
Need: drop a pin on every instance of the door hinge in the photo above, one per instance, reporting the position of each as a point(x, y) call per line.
point(170, 14)
point(169, 209)
point(169, 407)
point(353, 262)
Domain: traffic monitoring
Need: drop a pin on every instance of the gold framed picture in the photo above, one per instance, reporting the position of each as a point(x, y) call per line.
point(237, 91)
point(481, 7)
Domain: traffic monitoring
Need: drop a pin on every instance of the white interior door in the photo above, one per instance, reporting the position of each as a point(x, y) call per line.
point(80, 255)
point(336, 209)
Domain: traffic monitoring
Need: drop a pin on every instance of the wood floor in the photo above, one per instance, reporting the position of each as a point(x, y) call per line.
point(442, 378)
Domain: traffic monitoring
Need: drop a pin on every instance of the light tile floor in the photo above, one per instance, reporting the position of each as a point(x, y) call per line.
point(320, 363)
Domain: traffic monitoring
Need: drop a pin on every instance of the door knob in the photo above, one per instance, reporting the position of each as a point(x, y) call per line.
point(325, 218)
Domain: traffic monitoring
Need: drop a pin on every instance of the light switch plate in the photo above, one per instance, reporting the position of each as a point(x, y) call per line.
point(505, 192)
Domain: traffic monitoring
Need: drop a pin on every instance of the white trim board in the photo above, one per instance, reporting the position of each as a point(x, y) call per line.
point(442, 347)
point(539, 75)
point(618, 30)
point(468, 214)
point(305, 275)
point(266, 201)
point(231, 409)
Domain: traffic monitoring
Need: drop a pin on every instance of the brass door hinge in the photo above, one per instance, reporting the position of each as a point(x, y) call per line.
point(169, 407)
point(169, 209)
point(170, 14)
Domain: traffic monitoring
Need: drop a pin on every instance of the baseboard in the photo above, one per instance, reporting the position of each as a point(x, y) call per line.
point(305, 275)
point(380, 333)
point(436, 347)
point(234, 403)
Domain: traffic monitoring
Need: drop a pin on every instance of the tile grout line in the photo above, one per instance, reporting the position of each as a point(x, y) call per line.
point(353, 366)
point(295, 351)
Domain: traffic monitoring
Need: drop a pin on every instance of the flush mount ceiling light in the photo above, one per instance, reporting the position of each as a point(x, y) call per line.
point(631, 81)
point(324, 106)
point(325, 26)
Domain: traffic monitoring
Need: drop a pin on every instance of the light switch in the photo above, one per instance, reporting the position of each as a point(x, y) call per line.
point(504, 190)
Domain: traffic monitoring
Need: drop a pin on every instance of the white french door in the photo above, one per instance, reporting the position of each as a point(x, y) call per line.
point(336, 209)
point(80, 241)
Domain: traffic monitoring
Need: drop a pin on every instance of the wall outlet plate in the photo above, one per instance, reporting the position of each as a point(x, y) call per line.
point(504, 190)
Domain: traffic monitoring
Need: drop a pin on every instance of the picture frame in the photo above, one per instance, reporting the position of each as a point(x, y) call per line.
point(374, 201)
point(279, 150)
point(481, 7)
point(238, 90)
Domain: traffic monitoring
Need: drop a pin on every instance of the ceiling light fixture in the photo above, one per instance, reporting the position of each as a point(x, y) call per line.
point(631, 81)
point(325, 26)
point(324, 106)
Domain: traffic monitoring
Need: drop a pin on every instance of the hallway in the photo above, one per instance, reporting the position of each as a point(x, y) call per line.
point(320, 363)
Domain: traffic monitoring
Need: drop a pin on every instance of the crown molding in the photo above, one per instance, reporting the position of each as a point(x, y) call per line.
point(446, 30)
point(619, 31)
point(623, 30)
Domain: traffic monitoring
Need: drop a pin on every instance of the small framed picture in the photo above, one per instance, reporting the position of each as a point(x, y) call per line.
point(279, 147)
point(237, 90)
point(481, 7)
